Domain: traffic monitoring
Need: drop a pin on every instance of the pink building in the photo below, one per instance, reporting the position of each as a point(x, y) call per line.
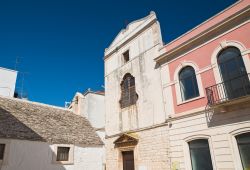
point(207, 73)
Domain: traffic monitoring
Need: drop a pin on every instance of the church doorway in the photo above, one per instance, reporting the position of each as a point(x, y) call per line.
point(128, 160)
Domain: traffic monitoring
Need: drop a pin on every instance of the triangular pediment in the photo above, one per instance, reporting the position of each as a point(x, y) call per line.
point(126, 140)
point(131, 27)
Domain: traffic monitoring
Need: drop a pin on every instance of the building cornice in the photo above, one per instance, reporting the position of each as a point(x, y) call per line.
point(230, 21)
point(137, 130)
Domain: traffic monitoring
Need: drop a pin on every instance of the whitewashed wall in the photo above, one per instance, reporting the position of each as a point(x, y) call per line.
point(143, 47)
point(95, 110)
point(91, 106)
point(28, 155)
point(7, 82)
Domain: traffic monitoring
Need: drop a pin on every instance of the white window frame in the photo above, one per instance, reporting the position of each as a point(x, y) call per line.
point(6, 151)
point(188, 163)
point(234, 146)
point(223, 45)
point(177, 82)
point(71, 154)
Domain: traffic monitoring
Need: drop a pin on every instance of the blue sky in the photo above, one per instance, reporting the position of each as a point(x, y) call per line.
point(61, 43)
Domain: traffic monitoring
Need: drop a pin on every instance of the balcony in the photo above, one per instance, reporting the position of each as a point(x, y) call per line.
point(229, 92)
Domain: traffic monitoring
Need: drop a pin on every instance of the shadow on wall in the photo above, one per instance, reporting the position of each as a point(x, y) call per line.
point(218, 117)
point(24, 148)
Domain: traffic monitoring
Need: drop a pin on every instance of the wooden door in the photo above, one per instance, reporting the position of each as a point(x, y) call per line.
point(128, 160)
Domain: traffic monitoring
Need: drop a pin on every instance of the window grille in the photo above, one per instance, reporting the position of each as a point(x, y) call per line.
point(62, 154)
point(128, 91)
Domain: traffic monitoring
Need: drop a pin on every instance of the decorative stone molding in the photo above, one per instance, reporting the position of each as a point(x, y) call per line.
point(245, 52)
point(177, 83)
point(234, 146)
point(215, 28)
point(186, 151)
point(223, 45)
point(126, 140)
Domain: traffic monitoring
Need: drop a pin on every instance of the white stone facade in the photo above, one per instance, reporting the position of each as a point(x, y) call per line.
point(149, 108)
point(218, 130)
point(143, 39)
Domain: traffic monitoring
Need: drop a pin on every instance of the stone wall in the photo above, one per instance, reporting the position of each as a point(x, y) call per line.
point(151, 152)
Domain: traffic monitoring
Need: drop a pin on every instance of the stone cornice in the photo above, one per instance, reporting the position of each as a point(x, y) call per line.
point(232, 21)
point(137, 130)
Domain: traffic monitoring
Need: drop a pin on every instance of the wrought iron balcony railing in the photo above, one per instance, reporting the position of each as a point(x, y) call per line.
point(228, 90)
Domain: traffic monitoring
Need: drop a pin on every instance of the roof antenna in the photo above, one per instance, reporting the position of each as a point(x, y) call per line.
point(23, 95)
point(17, 62)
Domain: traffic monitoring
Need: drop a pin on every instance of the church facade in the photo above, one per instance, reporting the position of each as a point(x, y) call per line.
point(139, 113)
point(183, 105)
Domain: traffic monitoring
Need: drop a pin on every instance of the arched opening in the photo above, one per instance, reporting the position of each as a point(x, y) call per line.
point(243, 142)
point(233, 73)
point(200, 154)
point(188, 83)
point(128, 92)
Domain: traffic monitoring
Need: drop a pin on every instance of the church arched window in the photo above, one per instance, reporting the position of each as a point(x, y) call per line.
point(128, 92)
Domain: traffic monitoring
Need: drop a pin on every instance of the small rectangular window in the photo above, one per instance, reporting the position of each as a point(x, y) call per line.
point(2, 148)
point(126, 56)
point(62, 154)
